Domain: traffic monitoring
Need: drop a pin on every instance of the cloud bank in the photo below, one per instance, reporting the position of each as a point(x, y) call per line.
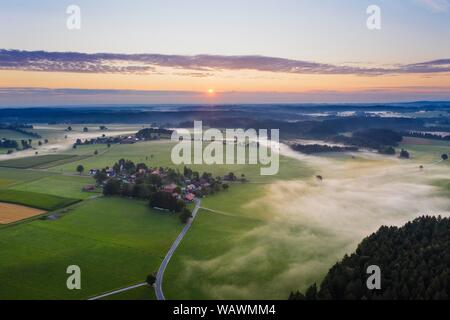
point(18, 97)
point(200, 64)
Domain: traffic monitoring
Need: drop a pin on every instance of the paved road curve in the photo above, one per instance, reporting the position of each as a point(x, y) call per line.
point(162, 268)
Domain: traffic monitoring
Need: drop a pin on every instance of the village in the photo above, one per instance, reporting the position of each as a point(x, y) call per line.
point(140, 181)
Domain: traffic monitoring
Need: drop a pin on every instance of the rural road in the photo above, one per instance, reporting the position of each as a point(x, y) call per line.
point(162, 268)
point(118, 291)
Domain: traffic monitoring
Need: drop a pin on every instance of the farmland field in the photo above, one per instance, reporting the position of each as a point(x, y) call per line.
point(425, 149)
point(11, 176)
point(35, 200)
point(32, 162)
point(116, 242)
point(158, 153)
point(12, 213)
point(59, 185)
point(61, 161)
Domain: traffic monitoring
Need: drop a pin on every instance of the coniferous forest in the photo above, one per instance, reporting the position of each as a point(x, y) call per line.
point(414, 262)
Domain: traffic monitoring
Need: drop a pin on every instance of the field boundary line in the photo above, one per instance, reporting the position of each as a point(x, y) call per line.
point(111, 293)
point(221, 212)
point(60, 211)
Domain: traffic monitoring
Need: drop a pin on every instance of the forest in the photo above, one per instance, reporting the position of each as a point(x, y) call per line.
point(414, 262)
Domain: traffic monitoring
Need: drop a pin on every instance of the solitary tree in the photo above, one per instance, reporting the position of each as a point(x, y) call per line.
point(185, 215)
point(80, 169)
point(404, 154)
point(151, 279)
point(85, 129)
point(444, 157)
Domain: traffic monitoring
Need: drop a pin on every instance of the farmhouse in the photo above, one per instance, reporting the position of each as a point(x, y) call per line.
point(89, 188)
point(156, 172)
point(170, 188)
point(129, 140)
point(110, 172)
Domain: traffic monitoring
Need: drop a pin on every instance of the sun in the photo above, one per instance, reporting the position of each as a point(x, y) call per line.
point(211, 91)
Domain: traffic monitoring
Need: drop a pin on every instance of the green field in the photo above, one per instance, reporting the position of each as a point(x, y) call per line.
point(59, 185)
point(211, 236)
point(63, 160)
point(115, 242)
point(104, 234)
point(13, 135)
point(10, 176)
point(33, 162)
point(214, 254)
point(228, 255)
point(161, 152)
point(87, 150)
point(428, 151)
point(35, 200)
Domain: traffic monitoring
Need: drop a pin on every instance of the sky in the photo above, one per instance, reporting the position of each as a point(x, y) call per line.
point(175, 51)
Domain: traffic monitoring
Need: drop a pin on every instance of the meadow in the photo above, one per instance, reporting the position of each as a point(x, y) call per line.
point(33, 162)
point(425, 150)
point(59, 185)
point(116, 242)
point(221, 257)
point(35, 200)
point(158, 154)
point(11, 176)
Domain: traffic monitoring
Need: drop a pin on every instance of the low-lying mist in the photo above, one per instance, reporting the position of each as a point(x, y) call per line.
point(309, 225)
